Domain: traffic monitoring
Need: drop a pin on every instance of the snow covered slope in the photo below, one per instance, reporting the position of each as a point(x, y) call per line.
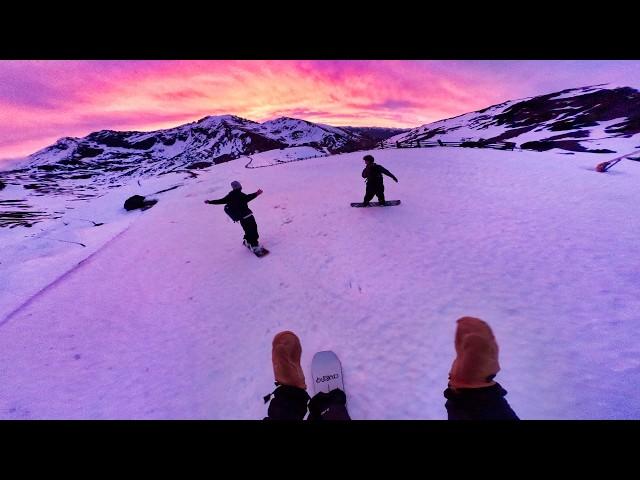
point(581, 119)
point(172, 318)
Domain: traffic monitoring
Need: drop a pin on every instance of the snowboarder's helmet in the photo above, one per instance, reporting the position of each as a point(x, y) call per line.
point(368, 158)
point(236, 185)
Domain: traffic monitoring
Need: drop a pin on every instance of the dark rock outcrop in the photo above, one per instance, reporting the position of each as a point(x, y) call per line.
point(138, 202)
point(198, 165)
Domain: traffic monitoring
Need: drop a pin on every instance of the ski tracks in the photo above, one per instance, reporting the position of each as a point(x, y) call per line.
point(61, 278)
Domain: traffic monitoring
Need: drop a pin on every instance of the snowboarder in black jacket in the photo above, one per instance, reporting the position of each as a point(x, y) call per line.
point(237, 208)
point(375, 184)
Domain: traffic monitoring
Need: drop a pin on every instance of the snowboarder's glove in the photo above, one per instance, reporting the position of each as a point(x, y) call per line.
point(321, 404)
point(289, 403)
point(476, 362)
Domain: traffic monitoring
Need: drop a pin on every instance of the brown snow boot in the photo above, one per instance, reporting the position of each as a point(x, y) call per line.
point(476, 362)
point(286, 355)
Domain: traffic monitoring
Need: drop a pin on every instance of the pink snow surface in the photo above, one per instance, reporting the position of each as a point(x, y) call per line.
point(173, 318)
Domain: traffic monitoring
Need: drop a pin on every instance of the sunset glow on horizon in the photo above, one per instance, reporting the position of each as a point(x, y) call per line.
point(41, 101)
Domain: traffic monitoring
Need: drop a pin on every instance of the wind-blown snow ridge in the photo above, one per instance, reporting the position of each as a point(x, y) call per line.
point(56, 281)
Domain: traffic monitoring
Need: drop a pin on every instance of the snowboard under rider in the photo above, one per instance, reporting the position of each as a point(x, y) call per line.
point(237, 202)
point(472, 393)
point(375, 185)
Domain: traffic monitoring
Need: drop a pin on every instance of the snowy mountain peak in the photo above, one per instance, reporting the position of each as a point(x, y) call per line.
point(296, 132)
point(56, 152)
point(288, 123)
point(214, 120)
point(570, 92)
point(280, 120)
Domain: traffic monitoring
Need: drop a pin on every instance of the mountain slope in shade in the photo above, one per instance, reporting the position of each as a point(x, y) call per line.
point(587, 119)
point(376, 134)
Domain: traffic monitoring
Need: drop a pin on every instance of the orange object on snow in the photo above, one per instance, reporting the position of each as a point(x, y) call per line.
point(286, 355)
point(476, 360)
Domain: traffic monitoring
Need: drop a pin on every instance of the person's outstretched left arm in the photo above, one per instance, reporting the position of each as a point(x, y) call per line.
point(251, 196)
point(388, 173)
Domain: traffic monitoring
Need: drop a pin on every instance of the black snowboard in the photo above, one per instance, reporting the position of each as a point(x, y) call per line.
point(260, 253)
point(388, 203)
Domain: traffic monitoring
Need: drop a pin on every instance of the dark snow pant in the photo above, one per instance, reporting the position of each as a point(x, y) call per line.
point(290, 403)
point(486, 403)
point(376, 189)
point(250, 230)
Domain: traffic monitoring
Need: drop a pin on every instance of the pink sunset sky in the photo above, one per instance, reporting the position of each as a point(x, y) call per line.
point(41, 101)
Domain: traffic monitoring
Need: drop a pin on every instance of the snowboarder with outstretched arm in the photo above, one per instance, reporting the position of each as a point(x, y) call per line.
point(236, 206)
point(375, 185)
point(472, 393)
